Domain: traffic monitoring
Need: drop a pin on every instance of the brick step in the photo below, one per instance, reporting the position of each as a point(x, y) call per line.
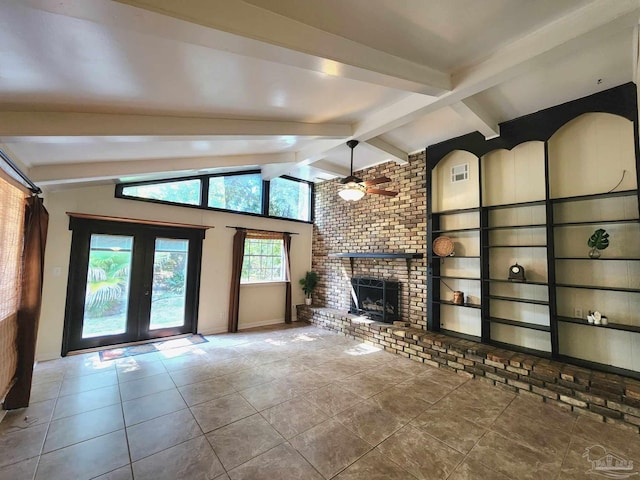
point(607, 396)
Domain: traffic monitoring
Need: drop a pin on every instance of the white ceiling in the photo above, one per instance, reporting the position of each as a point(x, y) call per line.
point(100, 90)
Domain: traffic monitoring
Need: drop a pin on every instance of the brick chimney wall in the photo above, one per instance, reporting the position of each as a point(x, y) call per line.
point(374, 224)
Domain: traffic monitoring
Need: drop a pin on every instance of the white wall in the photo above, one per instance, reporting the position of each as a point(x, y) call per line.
point(259, 305)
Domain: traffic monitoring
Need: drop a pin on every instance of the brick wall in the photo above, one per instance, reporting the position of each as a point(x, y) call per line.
point(374, 224)
point(604, 396)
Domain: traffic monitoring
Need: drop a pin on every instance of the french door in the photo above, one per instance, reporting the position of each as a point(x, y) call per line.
point(130, 282)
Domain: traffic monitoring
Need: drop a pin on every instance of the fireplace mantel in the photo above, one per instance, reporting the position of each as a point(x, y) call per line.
point(384, 255)
point(405, 256)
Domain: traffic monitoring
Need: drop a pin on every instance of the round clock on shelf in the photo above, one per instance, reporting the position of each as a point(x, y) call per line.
point(516, 273)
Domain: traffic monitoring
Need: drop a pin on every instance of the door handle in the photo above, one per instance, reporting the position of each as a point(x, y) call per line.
point(146, 292)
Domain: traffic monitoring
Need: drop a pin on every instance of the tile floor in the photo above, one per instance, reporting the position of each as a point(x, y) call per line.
point(292, 403)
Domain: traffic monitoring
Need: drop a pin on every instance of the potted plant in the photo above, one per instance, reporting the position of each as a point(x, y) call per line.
point(598, 241)
point(309, 284)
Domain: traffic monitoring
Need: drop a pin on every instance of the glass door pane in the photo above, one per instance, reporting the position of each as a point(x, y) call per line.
point(108, 279)
point(169, 287)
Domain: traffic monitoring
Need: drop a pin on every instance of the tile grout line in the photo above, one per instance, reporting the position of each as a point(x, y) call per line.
point(566, 453)
point(124, 423)
point(44, 439)
point(487, 430)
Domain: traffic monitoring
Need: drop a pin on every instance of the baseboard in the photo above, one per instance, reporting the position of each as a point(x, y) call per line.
point(264, 323)
point(214, 331)
point(45, 357)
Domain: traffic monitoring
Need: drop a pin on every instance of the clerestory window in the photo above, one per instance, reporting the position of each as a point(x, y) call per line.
point(246, 193)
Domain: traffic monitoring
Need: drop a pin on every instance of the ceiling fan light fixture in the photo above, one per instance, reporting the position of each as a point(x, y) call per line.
point(354, 188)
point(352, 192)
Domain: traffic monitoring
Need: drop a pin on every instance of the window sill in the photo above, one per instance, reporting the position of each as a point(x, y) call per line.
point(263, 284)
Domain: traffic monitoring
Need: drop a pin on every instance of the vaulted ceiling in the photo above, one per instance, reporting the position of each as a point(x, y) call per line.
point(100, 90)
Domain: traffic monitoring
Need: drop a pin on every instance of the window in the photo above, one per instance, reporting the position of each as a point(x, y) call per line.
point(289, 199)
point(242, 193)
point(263, 261)
point(184, 191)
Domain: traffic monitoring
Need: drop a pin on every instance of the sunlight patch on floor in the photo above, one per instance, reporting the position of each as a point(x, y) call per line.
point(95, 363)
point(362, 350)
point(176, 352)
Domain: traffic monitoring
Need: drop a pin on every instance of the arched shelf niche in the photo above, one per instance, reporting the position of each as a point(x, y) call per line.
point(513, 176)
point(589, 154)
point(449, 193)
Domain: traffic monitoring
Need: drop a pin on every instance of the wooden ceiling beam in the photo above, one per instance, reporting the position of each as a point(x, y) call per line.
point(71, 124)
point(52, 174)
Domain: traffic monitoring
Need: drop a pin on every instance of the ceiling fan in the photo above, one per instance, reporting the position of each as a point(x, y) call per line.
point(355, 188)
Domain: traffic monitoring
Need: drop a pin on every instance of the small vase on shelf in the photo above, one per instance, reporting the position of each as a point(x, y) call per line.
point(307, 300)
point(594, 253)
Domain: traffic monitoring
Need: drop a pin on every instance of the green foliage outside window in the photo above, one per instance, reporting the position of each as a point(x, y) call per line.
point(108, 275)
point(183, 191)
point(263, 261)
point(289, 199)
point(242, 193)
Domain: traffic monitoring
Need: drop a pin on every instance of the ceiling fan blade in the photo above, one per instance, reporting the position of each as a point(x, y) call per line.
point(381, 192)
point(350, 179)
point(375, 181)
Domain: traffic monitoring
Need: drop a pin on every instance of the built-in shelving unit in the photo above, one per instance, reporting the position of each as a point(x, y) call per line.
point(458, 230)
point(504, 280)
point(533, 196)
point(465, 305)
point(519, 300)
point(516, 323)
point(515, 246)
point(451, 277)
point(517, 227)
point(614, 326)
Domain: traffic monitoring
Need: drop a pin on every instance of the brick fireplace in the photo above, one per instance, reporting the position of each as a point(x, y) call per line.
point(374, 224)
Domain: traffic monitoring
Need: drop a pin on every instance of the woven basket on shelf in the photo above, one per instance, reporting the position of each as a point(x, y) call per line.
point(443, 246)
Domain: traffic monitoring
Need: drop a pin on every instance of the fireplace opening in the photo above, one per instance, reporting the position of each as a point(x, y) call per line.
point(375, 298)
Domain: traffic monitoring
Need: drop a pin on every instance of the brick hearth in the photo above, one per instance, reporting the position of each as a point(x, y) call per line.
point(607, 397)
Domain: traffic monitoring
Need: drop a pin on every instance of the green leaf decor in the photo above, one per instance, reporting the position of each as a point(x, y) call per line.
point(599, 239)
